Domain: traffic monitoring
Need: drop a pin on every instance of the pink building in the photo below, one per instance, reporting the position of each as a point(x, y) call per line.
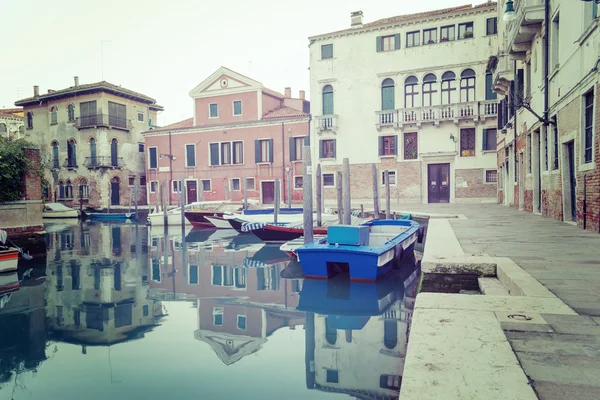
point(239, 129)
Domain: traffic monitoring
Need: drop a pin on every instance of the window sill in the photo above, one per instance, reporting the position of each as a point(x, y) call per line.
point(71, 121)
point(296, 161)
point(325, 59)
point(387, 156)
point(586, 167)
point(488, 151)
point(53, 123)
point(327, 159)
point(264, 163)
point(298, 188)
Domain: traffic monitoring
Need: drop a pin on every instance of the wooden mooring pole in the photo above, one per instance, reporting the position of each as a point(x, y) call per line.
point(375, 178)
point(318, 196)
point(183, 201)
point(307, 194)
point(346, 192)
point(163, 189)
point(340, 201)
point(388, 211)
point(245, 193)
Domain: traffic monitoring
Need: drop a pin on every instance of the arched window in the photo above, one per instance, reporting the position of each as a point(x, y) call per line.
point(467, 85)
point(3, 129)
point(330, 332)
point(29, 120)
point(429, 88)
point(114, 161)
point(71, 154)
point(387, 95)
point(68, 190)
point(84, 190)
point(93, 160)
point(71, 112)
point(411, 92)
point(53, 116)
point(55, 162)
point(328, 100)
point(390, 333)
point(448, 86)
point(61, 190)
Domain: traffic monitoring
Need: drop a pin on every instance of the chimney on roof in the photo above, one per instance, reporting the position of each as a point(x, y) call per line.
point(76, 81)
point(356, 19)
point(302, 95)
point(51, 91)
point(288, 92)
point(36, 91)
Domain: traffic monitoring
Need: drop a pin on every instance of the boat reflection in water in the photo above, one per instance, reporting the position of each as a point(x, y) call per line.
point(97, 285)
point(356, 333)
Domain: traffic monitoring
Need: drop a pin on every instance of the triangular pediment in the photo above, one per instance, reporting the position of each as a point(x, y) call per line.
point(224, 81)
point(228, 347)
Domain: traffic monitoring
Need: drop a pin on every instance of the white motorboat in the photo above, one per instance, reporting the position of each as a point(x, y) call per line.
point(58, 210)
point(174, 215)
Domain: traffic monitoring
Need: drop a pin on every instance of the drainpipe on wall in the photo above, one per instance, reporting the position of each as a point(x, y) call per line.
point(546, 80)
point(283, 161)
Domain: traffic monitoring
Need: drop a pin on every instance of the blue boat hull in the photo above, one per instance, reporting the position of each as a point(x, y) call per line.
point(112, 217)
point(322, 260)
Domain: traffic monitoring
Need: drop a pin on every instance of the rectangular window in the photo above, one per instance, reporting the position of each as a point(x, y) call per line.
point(238, 152)
point(489, 140)
point(588, 126)
point(298, 182)
point(87, 113)
point(117, 115)
point(250, 184)
point(141, 147)
point(326, 51)
point(153, 157)
point(217, 316)
point(142, 180)
point(387, 146)
point(447, 33)
point(140, 117)
point(264, 150)
point(153, 186)
point(131, 180)
point(193, 274)
point(213, 110)
point(411, 148)
point(234, 184)
point(391, 174)
point(237, 107)
point(491, 27)
point(465, 30)
point(430, 36)
point(328, 180)
point(388, 43)
point(491, 176)
point(467, 142)
point(554, 43)
point(241, 322)
point(333, 376)
point(176, 186)
point(413, 39)
point(225, 153)
point(327, 148)
point(190, 155)
point(206, 185)
point(555, 142)
point(298, 143)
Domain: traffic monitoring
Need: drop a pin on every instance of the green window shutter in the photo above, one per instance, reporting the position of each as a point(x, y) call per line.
point(387, 98)
point(396, 145)
point(321, 144)
point(292, 149)
point(397, 41)
point(484, 141)
point(334, 148)
point(270, 150)
point(489, 90)
point(378, 44)
point(380, 145)
point(257, 151)
point(214, 154)
point(327, 103)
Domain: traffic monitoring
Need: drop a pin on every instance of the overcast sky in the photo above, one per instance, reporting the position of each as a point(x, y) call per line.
point(164, 48)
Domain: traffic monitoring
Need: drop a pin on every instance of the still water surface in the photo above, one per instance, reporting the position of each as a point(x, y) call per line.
point(121, 311)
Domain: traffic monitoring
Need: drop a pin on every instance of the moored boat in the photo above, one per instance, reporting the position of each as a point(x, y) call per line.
point(198, 215)
point(111, 216)
point(367, 252)
point(58, 210)
point(9, 259)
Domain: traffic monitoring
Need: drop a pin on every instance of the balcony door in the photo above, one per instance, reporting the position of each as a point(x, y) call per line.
point(438, 176)
point(87, 113)
point(115, 198)
point(117, 115)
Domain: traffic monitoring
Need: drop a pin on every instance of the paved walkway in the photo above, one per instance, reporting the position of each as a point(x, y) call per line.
point(561, 358)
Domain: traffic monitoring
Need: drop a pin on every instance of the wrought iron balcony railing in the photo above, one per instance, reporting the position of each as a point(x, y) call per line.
point(104, 162)
point(104, 120)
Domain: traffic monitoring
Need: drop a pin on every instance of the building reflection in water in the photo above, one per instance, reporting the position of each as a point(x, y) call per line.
point(97, 284)
point(233, 280)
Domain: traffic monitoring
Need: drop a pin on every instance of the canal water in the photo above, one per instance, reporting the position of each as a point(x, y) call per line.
point(122, 311)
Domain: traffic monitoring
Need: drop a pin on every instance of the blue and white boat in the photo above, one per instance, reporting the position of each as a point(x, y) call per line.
point(111, 216)
point(366, 253)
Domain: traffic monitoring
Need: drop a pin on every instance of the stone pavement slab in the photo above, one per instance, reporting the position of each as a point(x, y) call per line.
point(558, 391)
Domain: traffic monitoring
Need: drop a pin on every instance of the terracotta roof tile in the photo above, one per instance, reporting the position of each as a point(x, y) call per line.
point(186, 123)
point(284, 112)
point(88, 87)
point(415, 16)
point(10, 111)
point(273, 93)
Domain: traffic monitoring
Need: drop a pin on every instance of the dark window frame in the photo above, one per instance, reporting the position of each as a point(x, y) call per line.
point(327, 51)
point(450, 31)
point(430, 40)
point(588, 127)
point(415, 38)
point(465, 26)
point(493, 29)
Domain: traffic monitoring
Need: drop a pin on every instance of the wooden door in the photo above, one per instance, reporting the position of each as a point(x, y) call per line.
point(115, 198)
point(268, 192)
point(192, 191)
point(438, 176)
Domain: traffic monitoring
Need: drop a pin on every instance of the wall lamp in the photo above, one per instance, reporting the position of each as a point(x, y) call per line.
point(170, 156)
point(453, 138)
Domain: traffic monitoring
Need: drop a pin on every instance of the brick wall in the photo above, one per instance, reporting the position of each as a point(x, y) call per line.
point(32, 181)
point(475, 186)
point(528, 200)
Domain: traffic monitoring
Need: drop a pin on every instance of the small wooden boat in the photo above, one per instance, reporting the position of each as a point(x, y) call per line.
point(9, 259)
point(57, 210)
point(367, 253)
point(198, 215)
point(111, 216)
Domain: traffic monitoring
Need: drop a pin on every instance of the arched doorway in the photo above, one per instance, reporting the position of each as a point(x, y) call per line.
point(114, 191)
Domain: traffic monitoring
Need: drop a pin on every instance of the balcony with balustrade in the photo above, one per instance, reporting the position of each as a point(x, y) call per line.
point(521, 31)
point(103, 120)
point(478, 111)
point(326, 123)
point(104, 162)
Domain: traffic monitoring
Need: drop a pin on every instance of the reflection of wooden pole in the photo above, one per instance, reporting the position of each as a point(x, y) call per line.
point(318, 196)
point(289, 188)
point(307, 194)
point(156, 193)
point(109, 195)
point(163, 188)
point(388, 212)
point(375, 191)
point(276, 203)
point(245, 193)
point(182, 195)
point(346, 191)
point(340, 202)
point(136, 189)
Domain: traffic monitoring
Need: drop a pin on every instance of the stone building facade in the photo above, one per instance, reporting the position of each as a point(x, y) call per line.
point(411, 94)
point(12, 123)
point(548, 156)
point(91, 142)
